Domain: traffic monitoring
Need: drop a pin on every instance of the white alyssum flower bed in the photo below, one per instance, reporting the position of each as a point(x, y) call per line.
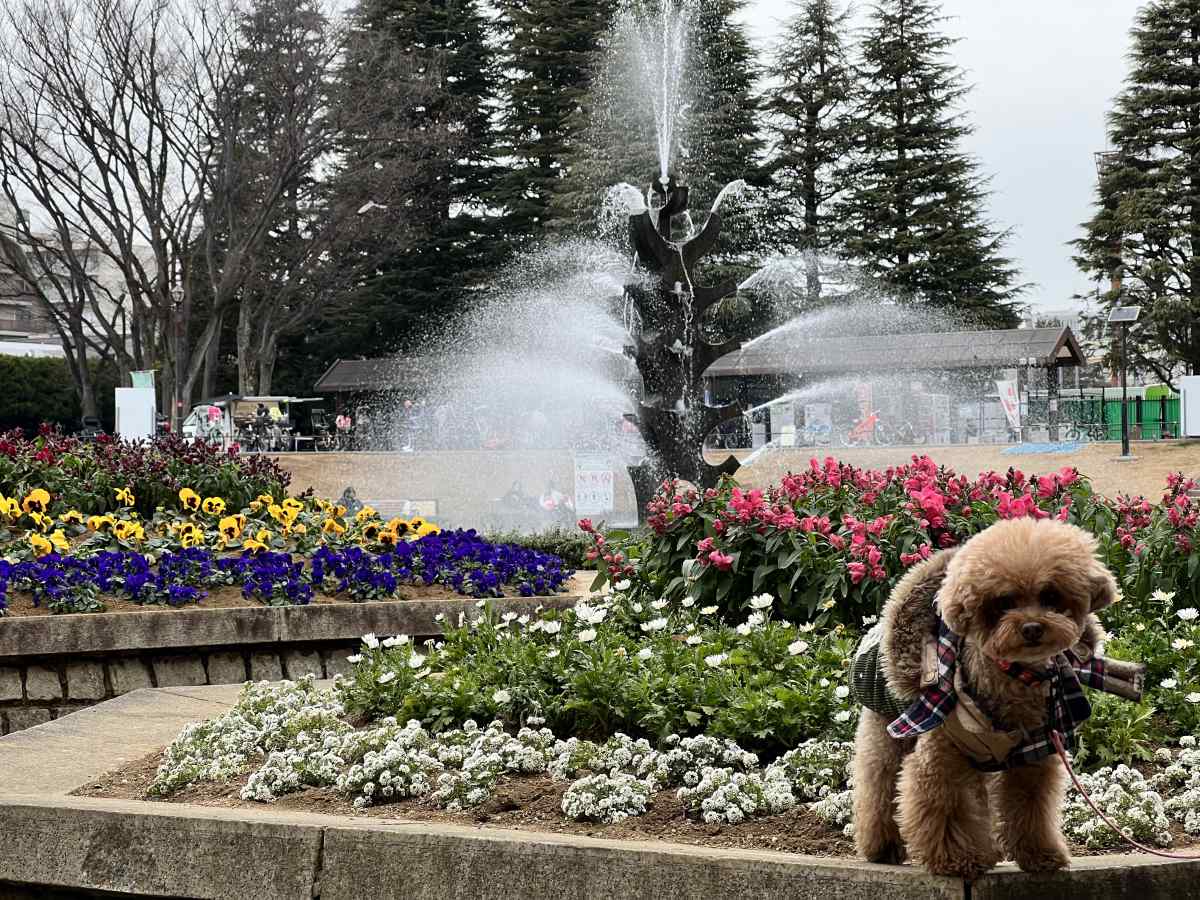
point(291, 735)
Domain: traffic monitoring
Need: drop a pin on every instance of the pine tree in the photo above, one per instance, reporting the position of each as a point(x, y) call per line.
point(552, 54)
point(1144, 237)
point(445, 182)
point(914, 214)
point(811, 130)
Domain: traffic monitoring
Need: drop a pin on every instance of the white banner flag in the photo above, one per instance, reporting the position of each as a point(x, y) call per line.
point(1010, 401)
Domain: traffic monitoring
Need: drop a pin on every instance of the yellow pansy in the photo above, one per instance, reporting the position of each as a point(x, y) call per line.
point(293, 503)
point(190, 536)
point(428, 528)
point(13, 509)
point(229, 528)
point(338, 512)
point(71, 517)
point(263, 536)
point(129, 531)
point(333, 526)
point(399, 528)
point(37, 500)
point(371, 531)
point(388, 538)
point(253, 546)
point(300, 528)
point(100, 523)
point(41, 545)
point(240, 518)
point(214, 506)
point(367, 512)
point(60, 542)
point(42, 522)
point(189, 499)
point(125, 496)
point(255, 506)
point(265, 499)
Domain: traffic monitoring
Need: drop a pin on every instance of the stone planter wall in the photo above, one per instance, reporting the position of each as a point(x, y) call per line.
point(39, 689)
point(51, 666)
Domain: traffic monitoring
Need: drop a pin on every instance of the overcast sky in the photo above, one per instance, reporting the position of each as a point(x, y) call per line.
point(1044, 73)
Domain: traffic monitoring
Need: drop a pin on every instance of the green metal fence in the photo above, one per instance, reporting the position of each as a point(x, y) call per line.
point(1098, 417)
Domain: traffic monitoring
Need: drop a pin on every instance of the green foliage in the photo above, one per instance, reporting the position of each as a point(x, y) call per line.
point(34, 390)
point(915, 211)
point(1142, 235)
point(1118, 731)
point(642, 669)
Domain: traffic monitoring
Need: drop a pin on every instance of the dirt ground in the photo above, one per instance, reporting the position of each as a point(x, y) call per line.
point(529, 803)
point(1146, 474)
point(329, 473)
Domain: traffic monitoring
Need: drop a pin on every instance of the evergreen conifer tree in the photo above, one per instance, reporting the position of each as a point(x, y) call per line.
point(445, 180)
point(551, 57)
point(811, 130)
point(1144, 238)
point(914, 213)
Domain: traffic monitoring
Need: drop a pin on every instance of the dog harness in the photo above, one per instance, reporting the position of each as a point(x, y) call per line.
point(946, 701)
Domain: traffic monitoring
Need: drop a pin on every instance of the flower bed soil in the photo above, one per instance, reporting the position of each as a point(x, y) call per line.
point(20, 603)
point(528, 803)
point(534, 803)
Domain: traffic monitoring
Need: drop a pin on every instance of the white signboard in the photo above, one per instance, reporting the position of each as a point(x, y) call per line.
point(593, 485)
point(135, 413)
point(1010, 402)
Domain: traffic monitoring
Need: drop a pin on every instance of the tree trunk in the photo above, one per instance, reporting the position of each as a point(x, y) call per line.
point(247, 359)
point(266, 365)
point(212, 363)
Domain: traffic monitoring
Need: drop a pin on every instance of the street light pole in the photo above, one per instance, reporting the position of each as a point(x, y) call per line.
point(1124, 390)
point(177, 340)
point(1124, 317)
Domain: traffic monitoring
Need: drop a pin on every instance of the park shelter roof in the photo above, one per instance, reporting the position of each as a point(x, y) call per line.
point(784, 353)
point(349, 375)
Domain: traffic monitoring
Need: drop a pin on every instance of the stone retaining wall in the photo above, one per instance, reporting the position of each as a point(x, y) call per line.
point(51, 666)
point(45, 688)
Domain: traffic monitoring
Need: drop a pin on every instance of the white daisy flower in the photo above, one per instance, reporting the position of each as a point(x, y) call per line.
point(501, 696)
point(715, 661)
point(588, 634)
point(1169, 683)
point(386, 677)
point(762, 601)
point(654, 624)
point(623, 585)
point(707, 610)
point(841, 692)
point(1187, 613)
point(645, 653)
point(416, 661)
point(842, 716)
point(795, 648)
point(370, 640)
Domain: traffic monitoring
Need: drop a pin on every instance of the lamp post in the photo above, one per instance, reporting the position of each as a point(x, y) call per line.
point(177, 341)
point(1124, 317)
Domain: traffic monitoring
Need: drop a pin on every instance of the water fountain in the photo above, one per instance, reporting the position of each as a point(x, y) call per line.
point(670, 353)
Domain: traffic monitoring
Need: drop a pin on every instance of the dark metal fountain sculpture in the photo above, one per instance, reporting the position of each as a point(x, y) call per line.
point(669, 349)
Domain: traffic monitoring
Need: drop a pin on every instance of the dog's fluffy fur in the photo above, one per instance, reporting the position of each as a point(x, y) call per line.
point(1021, 590)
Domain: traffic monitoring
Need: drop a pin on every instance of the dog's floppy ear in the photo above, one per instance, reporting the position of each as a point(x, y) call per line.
point(956, 601)
point(1103, 586)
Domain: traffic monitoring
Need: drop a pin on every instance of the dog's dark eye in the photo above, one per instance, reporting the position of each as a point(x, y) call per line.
point(1006, 602)
point(1050, 597)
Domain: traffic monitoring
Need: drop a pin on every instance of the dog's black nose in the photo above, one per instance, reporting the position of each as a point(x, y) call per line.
point(1032, 632)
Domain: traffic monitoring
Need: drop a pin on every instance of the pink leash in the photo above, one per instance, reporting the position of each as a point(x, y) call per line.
point(1062, 754)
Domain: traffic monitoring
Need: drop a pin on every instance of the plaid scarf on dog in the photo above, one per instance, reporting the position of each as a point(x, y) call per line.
point(1067, 707)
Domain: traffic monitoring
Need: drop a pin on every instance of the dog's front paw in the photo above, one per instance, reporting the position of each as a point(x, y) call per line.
point(967, 863)
point(1041, 857)
point(891, 853)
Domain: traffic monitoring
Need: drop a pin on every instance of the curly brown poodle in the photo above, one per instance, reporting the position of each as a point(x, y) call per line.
point(1022, 591)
